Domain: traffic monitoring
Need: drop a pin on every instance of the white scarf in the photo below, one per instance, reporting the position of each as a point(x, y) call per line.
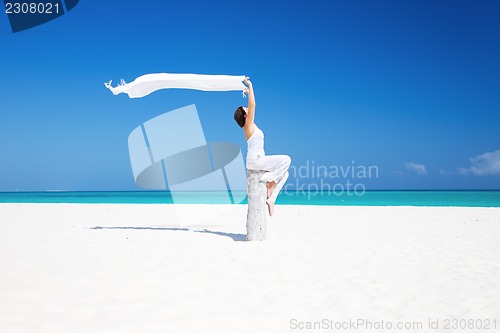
point(146, 84)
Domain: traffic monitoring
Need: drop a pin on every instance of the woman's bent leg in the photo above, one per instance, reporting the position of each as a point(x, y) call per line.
point(279, 186)
point(276, 167)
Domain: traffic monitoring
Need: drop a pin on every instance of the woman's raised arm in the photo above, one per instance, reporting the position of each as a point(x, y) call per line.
point(249, 121)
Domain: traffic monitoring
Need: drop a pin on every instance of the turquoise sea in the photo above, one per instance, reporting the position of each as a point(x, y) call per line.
point(369, 198)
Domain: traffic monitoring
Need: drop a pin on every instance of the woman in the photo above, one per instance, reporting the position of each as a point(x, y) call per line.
point(275, 165)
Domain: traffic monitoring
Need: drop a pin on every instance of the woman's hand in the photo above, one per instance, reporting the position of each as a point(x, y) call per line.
point(249, 85)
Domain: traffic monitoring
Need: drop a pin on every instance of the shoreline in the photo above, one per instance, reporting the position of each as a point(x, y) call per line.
point(370, 198)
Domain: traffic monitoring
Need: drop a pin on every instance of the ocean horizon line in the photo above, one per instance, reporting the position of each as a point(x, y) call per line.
point(224, 191)
point(459, 198)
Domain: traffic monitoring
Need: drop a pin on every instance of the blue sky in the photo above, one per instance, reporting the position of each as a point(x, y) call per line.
point(412, 87)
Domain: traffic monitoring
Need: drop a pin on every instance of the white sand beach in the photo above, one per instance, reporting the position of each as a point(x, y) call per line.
point(132, 268)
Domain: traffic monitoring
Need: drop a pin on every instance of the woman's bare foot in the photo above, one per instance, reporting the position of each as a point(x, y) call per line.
point(270, 188)
point(270, 207)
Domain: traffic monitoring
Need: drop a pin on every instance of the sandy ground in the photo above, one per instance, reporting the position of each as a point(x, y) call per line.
point(134, 268)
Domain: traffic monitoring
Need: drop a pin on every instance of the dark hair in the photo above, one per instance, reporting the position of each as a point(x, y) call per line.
point(239, 116)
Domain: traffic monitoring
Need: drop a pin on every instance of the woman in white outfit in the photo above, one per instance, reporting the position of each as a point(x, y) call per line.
point(275, 165)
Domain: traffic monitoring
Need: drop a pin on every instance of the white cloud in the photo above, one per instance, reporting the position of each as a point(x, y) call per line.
point(483, 165)
point(443, 172)
point(417, 168)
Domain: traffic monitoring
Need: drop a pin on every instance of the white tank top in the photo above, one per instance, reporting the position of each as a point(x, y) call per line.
point(255, 145)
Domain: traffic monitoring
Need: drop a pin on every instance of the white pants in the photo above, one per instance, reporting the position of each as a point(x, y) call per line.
point(277, 171)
